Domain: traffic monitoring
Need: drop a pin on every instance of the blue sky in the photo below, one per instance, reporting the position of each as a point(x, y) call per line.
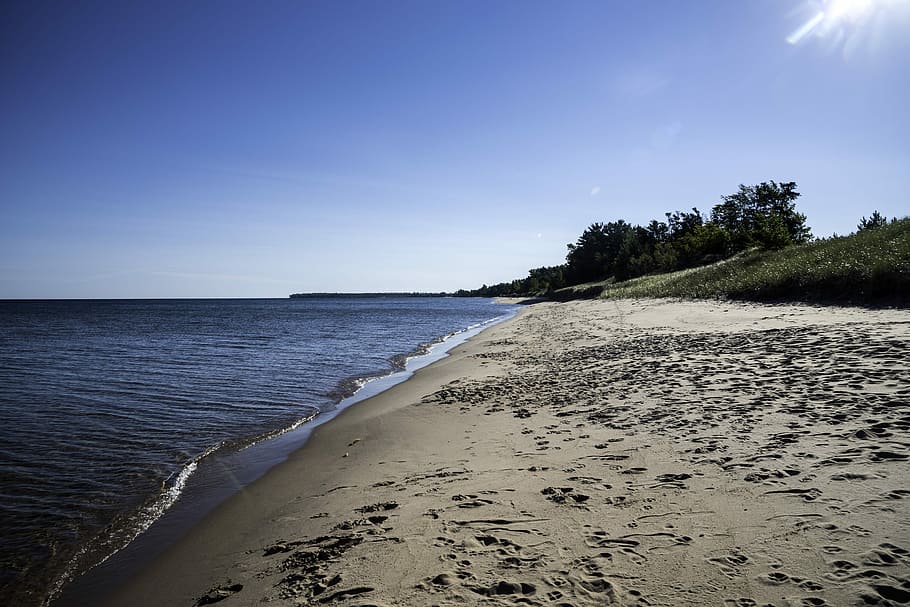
point(218, 149)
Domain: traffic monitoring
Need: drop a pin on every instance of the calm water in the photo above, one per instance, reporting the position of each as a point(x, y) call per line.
point(108, 406)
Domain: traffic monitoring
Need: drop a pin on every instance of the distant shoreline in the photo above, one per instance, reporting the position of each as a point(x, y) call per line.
point(364, 295)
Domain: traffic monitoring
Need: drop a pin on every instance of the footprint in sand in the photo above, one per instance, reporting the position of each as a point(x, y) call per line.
point(471, 501)
point(808, 495)
point(218, 593)
point(626, 546)
point(306, 567)
point(505, 587)
point(379, 507)
point(376, 519)
point(889, 593)
point(565, 495)
point(730, 564)
point(740, 602)
point(886, 555)
point(635, 470)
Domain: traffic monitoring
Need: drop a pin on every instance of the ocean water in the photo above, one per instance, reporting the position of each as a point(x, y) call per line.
point(108, 407)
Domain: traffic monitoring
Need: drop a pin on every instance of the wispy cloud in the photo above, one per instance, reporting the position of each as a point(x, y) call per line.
point(595, 190)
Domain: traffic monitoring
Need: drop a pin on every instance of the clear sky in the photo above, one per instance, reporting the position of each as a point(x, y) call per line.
point(216, 149)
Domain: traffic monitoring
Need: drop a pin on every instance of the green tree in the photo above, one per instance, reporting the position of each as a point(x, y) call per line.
point(680, 223)
point(771, 232)
point(658, 231)
point(876, 220)
point(706, 243)
point(634, 257)
point(763, 215)
point(665, 257)
point(593, 255)
point(543, 280)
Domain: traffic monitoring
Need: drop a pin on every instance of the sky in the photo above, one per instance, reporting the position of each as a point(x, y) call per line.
point(256, 149)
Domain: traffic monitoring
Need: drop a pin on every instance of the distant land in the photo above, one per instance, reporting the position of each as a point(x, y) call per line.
point(366, 295)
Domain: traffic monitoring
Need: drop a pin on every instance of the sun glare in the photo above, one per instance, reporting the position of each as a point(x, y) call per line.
point(848, 9)
point(832, 17)
point(846, 24)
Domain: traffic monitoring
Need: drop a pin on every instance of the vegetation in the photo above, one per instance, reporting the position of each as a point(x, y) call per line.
point(876, 220)
point(753, 245)
point(540, 281)
point(763, 215)
point(869, 267)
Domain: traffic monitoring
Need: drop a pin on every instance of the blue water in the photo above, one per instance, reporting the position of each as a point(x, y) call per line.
point(107, 407)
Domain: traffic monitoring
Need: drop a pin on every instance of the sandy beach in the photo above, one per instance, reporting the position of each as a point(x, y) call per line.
point(592, 453)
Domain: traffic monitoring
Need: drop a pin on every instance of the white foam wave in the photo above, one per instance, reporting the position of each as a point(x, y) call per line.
point(170, 493)
point(277, 433)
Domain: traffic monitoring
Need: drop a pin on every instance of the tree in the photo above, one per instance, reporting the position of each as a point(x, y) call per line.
point(876, 220)
point(665, 257)
point(681, 223)
point(771, 232)
point(593, 255)
point(658, 231)
point(704, 244)
point(634, 257)
point(546, 279)
point(763, 215)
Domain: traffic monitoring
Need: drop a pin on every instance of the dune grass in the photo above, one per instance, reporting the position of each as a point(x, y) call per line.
point(871, 267)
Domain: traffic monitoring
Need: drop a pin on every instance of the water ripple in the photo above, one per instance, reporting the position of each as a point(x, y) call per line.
point(108, 406)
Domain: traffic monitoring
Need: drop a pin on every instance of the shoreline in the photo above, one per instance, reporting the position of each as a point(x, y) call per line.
point(213, 477)
point(636, 451)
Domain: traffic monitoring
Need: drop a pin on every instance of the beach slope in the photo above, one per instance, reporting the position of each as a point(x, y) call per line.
point(591, 453)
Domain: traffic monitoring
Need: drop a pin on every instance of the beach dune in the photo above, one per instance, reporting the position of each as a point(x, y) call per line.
point(591, 453)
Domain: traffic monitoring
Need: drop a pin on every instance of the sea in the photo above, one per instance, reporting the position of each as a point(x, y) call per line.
point(122, 417)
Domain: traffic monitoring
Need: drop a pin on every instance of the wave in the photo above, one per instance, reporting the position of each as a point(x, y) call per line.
point(350, 386)
point(121, 533)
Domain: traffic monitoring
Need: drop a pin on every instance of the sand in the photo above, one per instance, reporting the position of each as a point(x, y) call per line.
point(592, 453)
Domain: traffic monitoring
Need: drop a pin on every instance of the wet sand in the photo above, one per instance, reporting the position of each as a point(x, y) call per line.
point(591, 453)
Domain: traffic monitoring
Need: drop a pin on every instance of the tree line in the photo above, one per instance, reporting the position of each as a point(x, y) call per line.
point(762, 215)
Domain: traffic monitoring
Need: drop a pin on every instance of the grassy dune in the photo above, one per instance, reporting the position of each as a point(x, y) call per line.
point(868, 268)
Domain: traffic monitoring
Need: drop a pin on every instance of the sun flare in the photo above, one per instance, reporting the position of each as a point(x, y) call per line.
point(832, 17)
point(848, 9)
point(848, 24)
